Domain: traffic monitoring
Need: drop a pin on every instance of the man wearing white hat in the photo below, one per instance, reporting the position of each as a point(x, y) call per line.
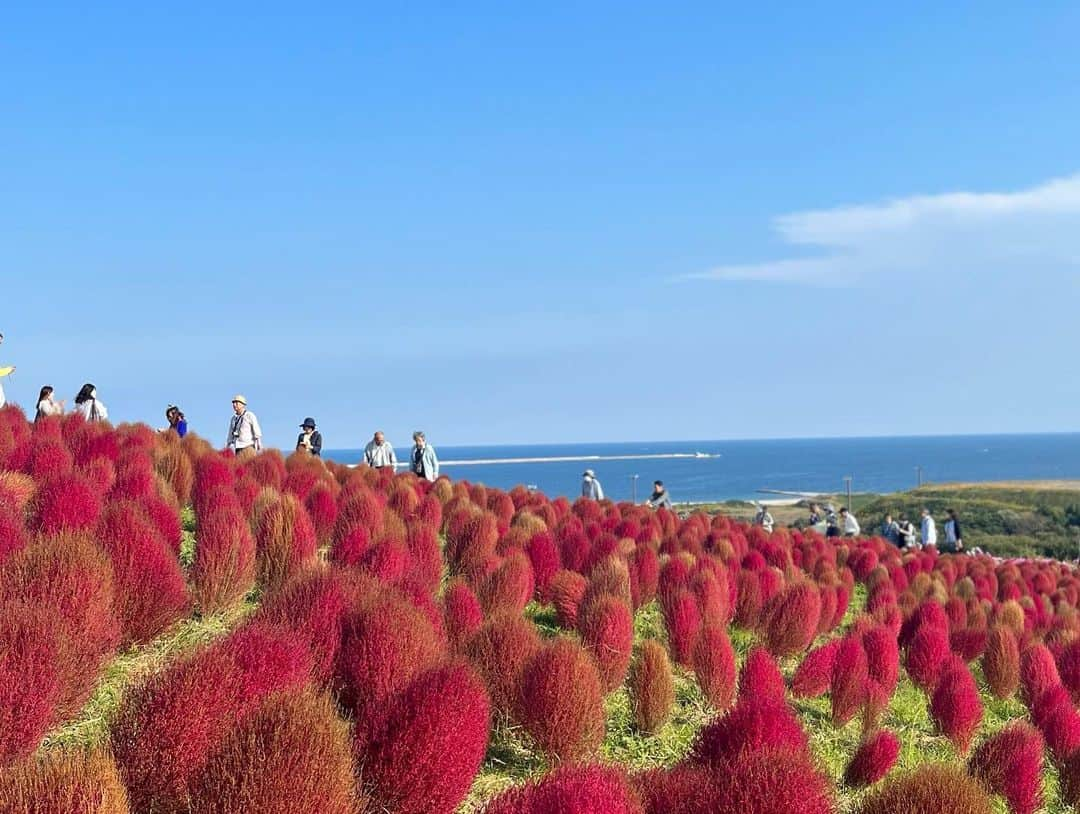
point(245, 435)
point(590, 486)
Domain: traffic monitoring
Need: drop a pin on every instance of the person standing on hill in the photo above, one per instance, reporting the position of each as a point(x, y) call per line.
point(425, 464)
point(378, 453)
point(953, 541)
point(88, 406)
point(177, 422)
point(46, 406)
point(890, 530)
point(590, 486)
point(928, 529)
point(245, 435)
point(659, 497)
point(310, 439)
point(906, 530)
point(850, 524)
point(764, 519)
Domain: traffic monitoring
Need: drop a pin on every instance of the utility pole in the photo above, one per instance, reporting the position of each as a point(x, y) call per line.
point(847, 483)
point(918, 476)
point(633, 487)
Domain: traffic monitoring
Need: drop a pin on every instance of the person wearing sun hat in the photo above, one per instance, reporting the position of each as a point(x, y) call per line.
point(590, 486)
point(245, 435)
point(310, 438)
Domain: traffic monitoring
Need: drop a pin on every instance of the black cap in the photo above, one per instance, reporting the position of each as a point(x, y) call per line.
point(308, 422)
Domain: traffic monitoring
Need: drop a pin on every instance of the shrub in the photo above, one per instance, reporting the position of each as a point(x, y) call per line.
point(932, 787)
point(848, 690)
point(571, 790)
point(470, 546)
point(749, 602)
point(224, 569)
point(546, 561)
point(566, 589)
point(714, 667)
point(49, 458)
point(509, 587)
point(435, 736)
point(651, 687)
point(882, 658)
point(500, 651)
point(755, 723)
point(767, 781)
point(13, 536)
point(928, 651)
point(284, 540)
point(291, 754)
point(1001, 662)
point(68, 577)
point(63, 782)
point(150, 589)
point(790, 619)
point(383, 647)
point(313, 607)
point(562, 702)
point(760, 676)
point(351, 545)
point(1060, 725)
point(874, 759)
point(166, 519)
point(66, 503)
point(1010, 763)
point(814, 675)
point(955, 704)
point(29, 678)
point(322, 508)
point(1038, 672)
point(173, 464)
point(463, 615)
point(683, 621)
point(16, 491)
point(607, 632)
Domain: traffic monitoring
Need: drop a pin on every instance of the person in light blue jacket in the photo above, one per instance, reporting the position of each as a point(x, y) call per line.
point(590, 486)
point(425, 463)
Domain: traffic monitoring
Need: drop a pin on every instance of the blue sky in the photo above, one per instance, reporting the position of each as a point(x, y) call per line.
point(625, 221)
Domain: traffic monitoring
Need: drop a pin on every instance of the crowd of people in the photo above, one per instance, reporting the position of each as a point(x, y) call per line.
point(901, 532)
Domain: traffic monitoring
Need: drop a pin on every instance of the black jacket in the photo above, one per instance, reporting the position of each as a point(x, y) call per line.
point(316, 442)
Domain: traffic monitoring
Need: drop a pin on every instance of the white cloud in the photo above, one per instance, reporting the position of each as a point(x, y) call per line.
point(1034, 230)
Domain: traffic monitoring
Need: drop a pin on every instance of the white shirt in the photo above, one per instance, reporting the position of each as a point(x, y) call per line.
point(244, 431)
point(929, 531)
point(379, 455)
point(92, 410)
point(851, 525)
point(49, 407)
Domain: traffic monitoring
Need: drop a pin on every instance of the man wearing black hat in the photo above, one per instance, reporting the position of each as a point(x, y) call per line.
point(310, 438)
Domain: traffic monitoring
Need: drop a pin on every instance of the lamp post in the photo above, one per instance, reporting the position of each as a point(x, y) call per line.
point(918, 476)
point(847, 483)
point(633, 488)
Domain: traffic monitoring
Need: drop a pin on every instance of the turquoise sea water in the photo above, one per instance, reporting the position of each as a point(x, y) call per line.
point(720, 470)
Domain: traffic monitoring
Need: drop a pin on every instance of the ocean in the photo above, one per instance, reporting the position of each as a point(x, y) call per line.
point(705, 471)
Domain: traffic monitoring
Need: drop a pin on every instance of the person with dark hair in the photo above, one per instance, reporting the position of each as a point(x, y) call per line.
point(928, 529)
point(953, 540)
point(659, 497)
point(906, 530)
point(590, 486)
point(890, 530)
point(850, 524)
point(425, 464)
point(46, 406)
point(88, 406)
point(177, 422)
point(310, 439)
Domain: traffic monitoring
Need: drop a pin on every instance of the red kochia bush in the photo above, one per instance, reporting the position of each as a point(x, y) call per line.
point(932, 787)
point(566, 589)
point(66, 503)
point(30, 684)
point(224, 553)
point(849, 680)
point(928, 651)
point(683, 620)
point(1001, 662)
point(651, 686)
point(383, 647)
point(500, 651)
point(1010, 763)
point(562, 702)
point(1038, 672)
point(790, 619)
point(150, 589)
point(284, 540)
point(509, 587)
point(714, 667)
point(462, 613)
point(874, 759)
point(607, 631)
point(588, 789)
point(955, 704)
point(546, 560)
point(756, 723)
point(813, 677)
point(166, 520)
point(71, 579)
point(760, 676)
point(773, 780)
point(291, 754)
point(63, 782)
point(424, 759)
point(13, 537)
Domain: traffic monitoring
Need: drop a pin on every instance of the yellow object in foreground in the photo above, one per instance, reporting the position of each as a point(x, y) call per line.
point(4, 371)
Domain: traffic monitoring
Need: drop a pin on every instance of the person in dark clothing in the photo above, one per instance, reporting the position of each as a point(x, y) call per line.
point(310, 439)
point(954, 541)
point(659, 497)
point(177, 422)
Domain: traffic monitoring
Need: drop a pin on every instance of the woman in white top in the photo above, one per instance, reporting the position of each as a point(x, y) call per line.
point(46, 406)
point(88, 406)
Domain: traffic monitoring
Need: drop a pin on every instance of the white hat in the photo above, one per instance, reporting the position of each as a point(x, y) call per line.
point(239, 398)
point(589, 474)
